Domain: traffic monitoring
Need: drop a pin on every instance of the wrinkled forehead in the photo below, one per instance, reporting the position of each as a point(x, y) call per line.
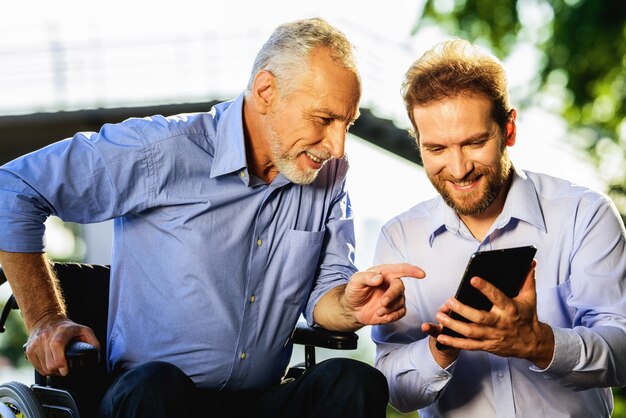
point(332, 88)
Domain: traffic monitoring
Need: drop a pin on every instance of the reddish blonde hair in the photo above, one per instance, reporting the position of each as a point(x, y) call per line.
point(454, 68)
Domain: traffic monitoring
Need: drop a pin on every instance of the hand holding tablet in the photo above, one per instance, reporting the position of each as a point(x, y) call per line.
point(505, 268)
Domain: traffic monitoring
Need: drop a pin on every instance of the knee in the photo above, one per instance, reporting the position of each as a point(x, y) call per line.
point(357, 376)
point(352, 387)
point(152, 378)
point(154, 385)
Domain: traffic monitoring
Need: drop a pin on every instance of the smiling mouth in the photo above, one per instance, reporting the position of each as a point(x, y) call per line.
point(465, 184)
point(314, 158)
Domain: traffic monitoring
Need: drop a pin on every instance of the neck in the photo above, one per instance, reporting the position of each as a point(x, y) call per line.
point(258, 153)
point(480, 224)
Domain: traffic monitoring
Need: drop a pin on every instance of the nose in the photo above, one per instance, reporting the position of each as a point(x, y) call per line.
point(335, 140)
point(459, 165)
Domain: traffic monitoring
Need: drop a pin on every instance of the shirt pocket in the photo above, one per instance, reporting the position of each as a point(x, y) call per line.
point(300, 254)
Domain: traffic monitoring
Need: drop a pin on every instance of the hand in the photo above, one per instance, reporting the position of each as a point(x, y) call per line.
point(376, 296)
point(510, 329)
point(443, 357)
point(45, 347)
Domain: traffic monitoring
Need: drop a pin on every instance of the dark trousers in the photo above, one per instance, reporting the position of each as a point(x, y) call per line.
point(334, 388)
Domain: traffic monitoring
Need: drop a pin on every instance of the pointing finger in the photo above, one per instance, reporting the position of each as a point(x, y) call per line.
point(395, 271)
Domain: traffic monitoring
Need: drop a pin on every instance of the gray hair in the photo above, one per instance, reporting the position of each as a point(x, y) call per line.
point(286, 52)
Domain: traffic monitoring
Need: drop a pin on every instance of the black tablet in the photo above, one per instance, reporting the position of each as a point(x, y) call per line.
point(506, 269)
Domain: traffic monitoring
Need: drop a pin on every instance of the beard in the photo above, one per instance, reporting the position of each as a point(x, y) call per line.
point(287, 161)
point(477, 201)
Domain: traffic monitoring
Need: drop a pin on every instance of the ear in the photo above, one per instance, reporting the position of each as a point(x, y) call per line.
point(264, 91)
point(511, 128)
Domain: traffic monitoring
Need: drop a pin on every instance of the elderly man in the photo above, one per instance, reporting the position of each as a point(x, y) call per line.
point(228, 225)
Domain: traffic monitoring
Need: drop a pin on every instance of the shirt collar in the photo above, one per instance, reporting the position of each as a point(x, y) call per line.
point(230, 148)
point(230, 145)
point(521, 203)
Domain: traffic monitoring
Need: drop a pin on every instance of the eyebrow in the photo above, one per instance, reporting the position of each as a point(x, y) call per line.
point(479, 136)
point(483, 135)
point(337, 116)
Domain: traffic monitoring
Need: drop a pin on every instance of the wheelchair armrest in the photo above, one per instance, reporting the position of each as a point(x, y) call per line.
point(321, 337)
point(80, 354)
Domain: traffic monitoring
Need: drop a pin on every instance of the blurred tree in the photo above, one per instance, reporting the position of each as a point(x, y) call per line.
point(583, 64)
point(12, 339)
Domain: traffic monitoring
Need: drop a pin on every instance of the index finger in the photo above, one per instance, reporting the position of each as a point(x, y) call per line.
point(491, 292)
point(475, 314)
point(395, 271)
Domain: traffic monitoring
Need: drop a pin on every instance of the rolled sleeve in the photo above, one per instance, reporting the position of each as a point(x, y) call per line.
point(22, 215)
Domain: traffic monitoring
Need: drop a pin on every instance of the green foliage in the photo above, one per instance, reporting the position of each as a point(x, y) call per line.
point(583, 43)
point(589, 43)
point(12, 340)
point(393, 413)
point(619, 395)
point(474, 20)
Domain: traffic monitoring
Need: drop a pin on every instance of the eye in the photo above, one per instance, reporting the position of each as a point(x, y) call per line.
point(477, 144)
point(325, 121)
point(434, 150)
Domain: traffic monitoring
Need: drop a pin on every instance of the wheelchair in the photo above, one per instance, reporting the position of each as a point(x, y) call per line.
point(86, 289)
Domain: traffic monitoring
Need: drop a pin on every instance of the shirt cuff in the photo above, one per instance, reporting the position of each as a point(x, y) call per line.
point(567, 349)
point(422, 359)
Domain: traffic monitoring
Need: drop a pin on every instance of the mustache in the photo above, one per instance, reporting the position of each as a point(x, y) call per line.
point(466, 179)
point(321, 156)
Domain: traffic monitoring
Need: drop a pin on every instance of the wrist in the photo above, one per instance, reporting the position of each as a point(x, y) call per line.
point(443, 358)
point(333, 311)
point(544, 348)
point(346, 311)
point(45, 318)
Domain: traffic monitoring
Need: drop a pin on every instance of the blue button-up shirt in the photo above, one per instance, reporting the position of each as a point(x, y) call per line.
point(581, 294)
point(211, 267)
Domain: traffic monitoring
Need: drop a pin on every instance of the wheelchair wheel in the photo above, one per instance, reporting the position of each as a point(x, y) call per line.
point(19, 400)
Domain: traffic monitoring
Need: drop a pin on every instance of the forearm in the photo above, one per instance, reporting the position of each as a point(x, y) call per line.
point(591, 351)
point(589, 357)
point(331, 313)
point(34, 286)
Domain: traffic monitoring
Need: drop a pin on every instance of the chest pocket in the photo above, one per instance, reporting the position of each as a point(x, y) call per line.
point(300, 255)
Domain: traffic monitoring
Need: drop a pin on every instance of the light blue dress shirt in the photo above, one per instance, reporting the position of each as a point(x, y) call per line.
point(581, 294)
point(211, 267)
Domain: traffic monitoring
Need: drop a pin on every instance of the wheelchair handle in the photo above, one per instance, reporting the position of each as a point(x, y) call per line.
point(81, 354)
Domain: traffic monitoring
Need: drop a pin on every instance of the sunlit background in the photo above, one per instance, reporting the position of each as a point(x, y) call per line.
point(69, 55)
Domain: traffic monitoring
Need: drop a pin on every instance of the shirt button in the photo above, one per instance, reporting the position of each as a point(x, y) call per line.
point(243, 356)
point(242, 173)
point(252, 299)
point(259, 242)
